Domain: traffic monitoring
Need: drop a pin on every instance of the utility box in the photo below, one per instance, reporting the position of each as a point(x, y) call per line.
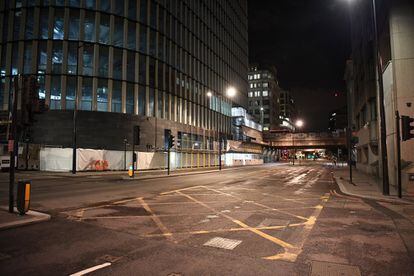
point(23, 196)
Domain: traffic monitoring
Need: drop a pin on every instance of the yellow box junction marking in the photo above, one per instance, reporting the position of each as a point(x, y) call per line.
point(157, 221)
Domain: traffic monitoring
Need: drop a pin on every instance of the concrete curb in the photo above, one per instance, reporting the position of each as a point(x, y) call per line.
point(342, 186)
point(31, 217)
point(171, 175)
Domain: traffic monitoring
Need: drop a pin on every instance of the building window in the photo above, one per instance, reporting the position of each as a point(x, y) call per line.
point(44, 23)
point(58, 30)
point(27, 63)
point(55, 93)
point(106, 5)
point(132, 9)
point(117, 97)
point(103, 61)
point(28, 32)
point(143, 11)
point(86, 103)
point(250, 94)
point(151, 103)
point(57, 57)
point(88, 59)
point(102, 95)
point(104, 29)
point(71, 93)
point(130, 96)
point(265, 84)
point(131, 66)
point(74, 25)
point(142, 99)
point(117, 64)
point(118, 34)
point(89, 26)
point(143, 38)
point(142, 69)
point(90, 4)
point(132, 36)
point(72, 58)
point(265, 93)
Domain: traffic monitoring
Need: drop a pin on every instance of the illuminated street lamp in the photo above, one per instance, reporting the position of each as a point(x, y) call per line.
point(231, 92)
point(209, 94)
point(299, 124)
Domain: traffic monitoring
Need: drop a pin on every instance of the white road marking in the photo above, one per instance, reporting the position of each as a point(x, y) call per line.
point(91, 269)
point(223, 243)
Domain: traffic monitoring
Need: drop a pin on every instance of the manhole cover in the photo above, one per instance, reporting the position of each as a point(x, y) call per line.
point(223, 243)
point(333, 269)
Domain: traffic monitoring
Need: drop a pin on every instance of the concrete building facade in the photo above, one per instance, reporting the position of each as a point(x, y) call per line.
point(396, 46)
point(160, 65)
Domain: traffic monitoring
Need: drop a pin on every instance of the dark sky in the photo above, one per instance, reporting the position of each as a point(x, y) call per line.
point(308, 42)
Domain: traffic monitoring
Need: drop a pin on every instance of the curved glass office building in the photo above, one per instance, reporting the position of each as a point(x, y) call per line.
point(161, 65)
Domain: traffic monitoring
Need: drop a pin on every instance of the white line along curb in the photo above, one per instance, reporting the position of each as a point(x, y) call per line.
point(89, 270)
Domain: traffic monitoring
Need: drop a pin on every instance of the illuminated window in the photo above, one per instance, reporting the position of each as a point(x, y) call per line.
point(58, 30)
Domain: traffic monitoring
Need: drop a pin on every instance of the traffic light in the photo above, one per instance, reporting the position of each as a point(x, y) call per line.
point(407, 128)
point(171, 141)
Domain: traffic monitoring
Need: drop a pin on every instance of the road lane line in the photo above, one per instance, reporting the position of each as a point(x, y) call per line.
point(242, 224)
point(91, 269)
point(156, 219)
point(198, 232)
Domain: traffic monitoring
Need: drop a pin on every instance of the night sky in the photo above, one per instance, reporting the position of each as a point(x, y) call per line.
point(308, 42)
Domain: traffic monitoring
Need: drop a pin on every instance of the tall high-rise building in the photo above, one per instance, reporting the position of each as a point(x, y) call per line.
point(165, 66)
point(287, 109)
point(263, 96)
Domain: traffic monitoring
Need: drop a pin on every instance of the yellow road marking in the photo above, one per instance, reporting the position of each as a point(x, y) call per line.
point(183, 189)
point(198, 232)
point(157, 221)
point(257, 204)
point(291, 254)
point(258, 232)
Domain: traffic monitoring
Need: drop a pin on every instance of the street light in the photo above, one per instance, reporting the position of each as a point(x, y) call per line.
point(383, 133)
point(230, 92)
point(262, 116)
point(299, 124)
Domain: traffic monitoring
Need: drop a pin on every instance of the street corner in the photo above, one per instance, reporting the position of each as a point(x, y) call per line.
point(14, 220)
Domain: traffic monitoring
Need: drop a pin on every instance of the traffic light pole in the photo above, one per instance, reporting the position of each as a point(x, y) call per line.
point(397, 122)
point(168, 160)
point(220, 151)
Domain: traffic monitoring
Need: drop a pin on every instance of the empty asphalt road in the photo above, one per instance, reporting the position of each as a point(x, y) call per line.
point(262, 220)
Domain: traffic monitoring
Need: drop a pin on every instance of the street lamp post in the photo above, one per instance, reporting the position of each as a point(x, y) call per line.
point(383, 139)
point(230, 93)
point(75, 111)
point(299, 124)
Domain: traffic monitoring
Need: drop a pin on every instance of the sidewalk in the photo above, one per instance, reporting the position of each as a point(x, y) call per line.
point(144, 174)
point(12, 220)
point(366, 186)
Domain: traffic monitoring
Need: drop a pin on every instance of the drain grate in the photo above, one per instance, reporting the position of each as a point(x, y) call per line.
point(223, 243)
point(333, 269)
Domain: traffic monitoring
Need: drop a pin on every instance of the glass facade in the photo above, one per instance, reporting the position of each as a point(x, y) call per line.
point(142, 57)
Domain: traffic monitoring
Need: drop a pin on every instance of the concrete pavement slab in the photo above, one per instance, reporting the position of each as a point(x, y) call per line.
point(13, 220)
